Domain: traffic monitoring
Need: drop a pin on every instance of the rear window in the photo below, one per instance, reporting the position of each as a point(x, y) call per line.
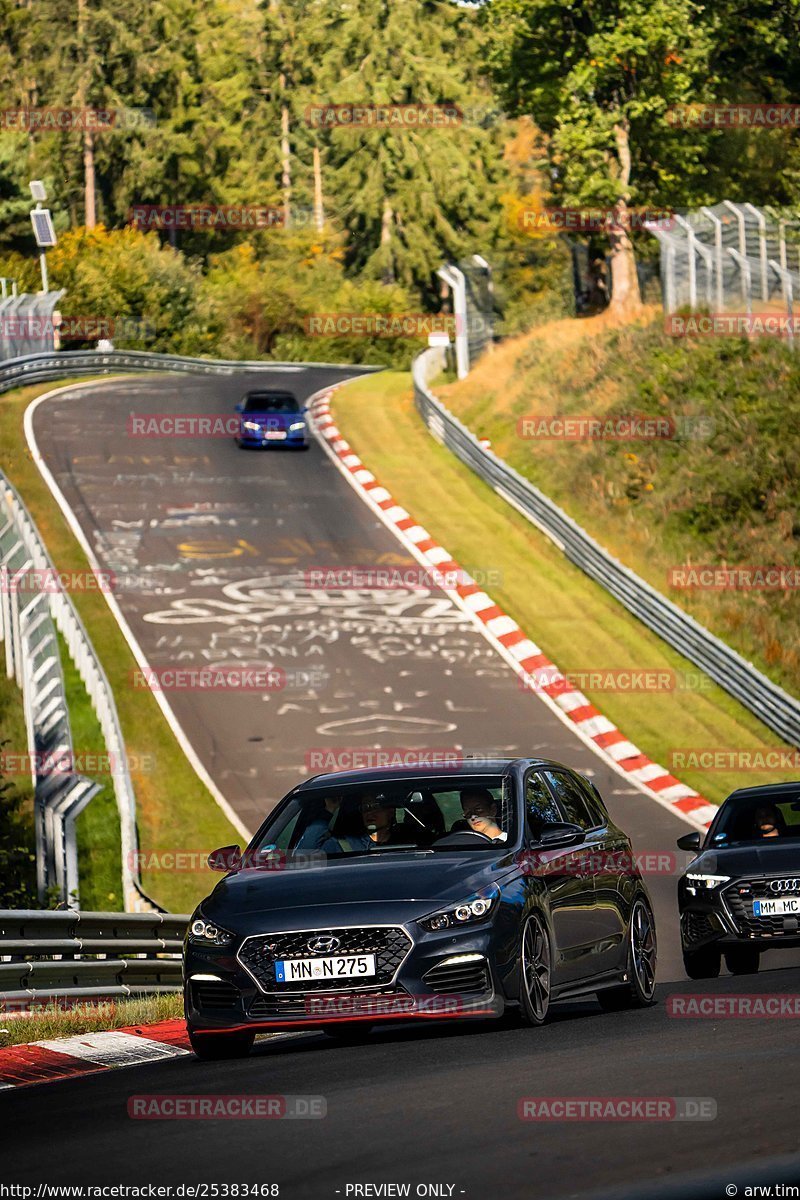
point(272, 402)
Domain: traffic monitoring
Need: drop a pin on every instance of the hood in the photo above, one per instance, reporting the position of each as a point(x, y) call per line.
point(372, 889)
point(758, 858)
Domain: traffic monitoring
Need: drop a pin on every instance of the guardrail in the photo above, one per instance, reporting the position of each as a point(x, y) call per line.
point(775, 707)
point(28, 621)
point(41, 368)
point(46, 956)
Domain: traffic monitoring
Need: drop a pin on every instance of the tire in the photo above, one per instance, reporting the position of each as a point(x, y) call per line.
point(213, 1046)
point(743, 960)
point(348, 1035)
point(703, 963)
point(534, 971)
point(642, 956)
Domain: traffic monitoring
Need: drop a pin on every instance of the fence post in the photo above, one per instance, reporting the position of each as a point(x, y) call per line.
point(788, 293)
point(744, 267)
point(717, 223)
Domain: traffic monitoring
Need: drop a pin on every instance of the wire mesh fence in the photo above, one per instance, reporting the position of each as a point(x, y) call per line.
point(731, 258)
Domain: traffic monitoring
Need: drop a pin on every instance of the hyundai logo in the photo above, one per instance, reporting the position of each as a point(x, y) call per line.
point(785, 885)
point(324, 945)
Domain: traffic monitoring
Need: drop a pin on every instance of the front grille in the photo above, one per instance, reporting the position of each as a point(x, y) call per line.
point(292, 1005)
point(462, 977)
point(214, 995)
point(739, 897)
point(389, 944)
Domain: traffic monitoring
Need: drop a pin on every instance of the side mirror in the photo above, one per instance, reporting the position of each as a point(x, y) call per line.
point(239, 407)
point(227, 858)
point(560, 833)
point(689, 841)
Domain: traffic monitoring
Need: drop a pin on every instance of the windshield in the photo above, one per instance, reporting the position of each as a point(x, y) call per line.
point(271, 402)
point(757, 819)
point(474, 813)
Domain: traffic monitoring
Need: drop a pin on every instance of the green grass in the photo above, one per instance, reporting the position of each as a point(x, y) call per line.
point(724, 490)
point(573, 620)
point(53, 1021)
point(97, 827)
point(174, 809)
point(17, 840)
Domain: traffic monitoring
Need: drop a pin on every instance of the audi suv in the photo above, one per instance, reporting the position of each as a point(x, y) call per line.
point(741, 894)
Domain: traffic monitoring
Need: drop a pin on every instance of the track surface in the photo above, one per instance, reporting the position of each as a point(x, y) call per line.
point(221, 539)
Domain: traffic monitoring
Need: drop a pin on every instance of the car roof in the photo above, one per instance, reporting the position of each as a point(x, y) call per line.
point(458, 768)
point(767, 791)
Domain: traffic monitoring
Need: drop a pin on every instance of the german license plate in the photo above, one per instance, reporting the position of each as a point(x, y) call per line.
point(338, 966)
point(275, 435)
point(778, 907)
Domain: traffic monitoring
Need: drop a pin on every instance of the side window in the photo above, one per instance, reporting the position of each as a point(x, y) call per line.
point(540, 807)
point(571, 800)
point(594, 802)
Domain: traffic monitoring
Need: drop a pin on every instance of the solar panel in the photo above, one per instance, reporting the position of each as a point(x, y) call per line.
point(43, 227)
point(37, 190)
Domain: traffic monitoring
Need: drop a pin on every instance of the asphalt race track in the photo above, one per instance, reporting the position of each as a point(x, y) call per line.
point(214, 543)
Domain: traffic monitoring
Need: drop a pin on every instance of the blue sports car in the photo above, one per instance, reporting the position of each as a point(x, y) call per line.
point(268, 418)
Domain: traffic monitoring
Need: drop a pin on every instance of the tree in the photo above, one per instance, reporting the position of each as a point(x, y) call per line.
point(599, 78)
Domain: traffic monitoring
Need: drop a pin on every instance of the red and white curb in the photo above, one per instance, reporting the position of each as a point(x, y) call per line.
point(88, 1053)
point(535, 668)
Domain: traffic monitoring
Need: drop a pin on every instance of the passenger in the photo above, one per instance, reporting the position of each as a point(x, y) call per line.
point(480, 812)
point(378, 823)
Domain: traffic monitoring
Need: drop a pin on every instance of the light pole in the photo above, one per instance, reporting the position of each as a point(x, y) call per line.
point(43, 229)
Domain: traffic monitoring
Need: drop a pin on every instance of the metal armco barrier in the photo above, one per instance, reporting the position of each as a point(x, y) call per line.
point(41, 368)
point(775, 707)
point(45, 956)
point(29, 617)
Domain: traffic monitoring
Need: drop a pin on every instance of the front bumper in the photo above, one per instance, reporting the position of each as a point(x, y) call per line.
point(725, 917)
point(259, 439)
point(428, 976)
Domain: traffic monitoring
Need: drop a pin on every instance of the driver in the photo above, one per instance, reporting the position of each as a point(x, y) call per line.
point(767, 822)
point(480, 812)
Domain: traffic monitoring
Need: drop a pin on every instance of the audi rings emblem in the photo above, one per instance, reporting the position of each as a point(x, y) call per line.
point(785, 885)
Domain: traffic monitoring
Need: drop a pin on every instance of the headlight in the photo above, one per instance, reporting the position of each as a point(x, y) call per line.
point(706, 883)
point(252, 425)
point(206, 933)
point(293, 428)
point(474, 908)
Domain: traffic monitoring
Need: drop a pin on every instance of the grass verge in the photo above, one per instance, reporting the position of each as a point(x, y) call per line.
point(719, 486)
point(174, 809)
point(54, 1021)
point(574, 621)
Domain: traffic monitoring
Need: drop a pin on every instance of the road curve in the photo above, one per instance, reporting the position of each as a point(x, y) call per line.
point(222, 539)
